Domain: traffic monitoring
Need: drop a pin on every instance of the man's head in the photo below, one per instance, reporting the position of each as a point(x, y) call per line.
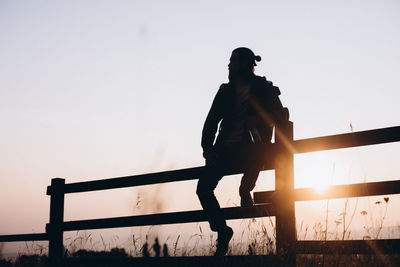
point(241, 63)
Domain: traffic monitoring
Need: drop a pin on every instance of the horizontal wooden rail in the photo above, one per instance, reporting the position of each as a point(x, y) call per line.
point(335, 191)
point(363, 138)
point(156, 178)
point(23, 237)
point(134, 180)
point(371, 137)
point(380, 246)
point(167, 218)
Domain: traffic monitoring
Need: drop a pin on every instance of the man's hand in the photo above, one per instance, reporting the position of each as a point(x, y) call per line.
point(211, 159)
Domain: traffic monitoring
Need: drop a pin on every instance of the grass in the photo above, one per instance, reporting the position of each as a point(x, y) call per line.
point(252, 237)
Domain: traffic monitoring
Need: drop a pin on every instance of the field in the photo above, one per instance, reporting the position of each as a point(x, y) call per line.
point(253, 243)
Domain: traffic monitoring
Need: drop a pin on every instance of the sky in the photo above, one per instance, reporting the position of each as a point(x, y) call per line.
point(99, 89)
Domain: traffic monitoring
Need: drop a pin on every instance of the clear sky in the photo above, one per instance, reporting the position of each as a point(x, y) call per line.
point(97, 89)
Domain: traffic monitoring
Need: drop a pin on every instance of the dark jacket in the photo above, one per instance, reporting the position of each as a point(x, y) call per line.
point(264, 103)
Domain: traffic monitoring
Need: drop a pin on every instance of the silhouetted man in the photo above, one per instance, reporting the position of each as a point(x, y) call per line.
point(247, 108)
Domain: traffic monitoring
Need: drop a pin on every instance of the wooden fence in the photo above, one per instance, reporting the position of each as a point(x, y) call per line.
point(279, 203)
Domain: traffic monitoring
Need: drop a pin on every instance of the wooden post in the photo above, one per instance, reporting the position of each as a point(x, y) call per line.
point(54, 228)
point(284, 200)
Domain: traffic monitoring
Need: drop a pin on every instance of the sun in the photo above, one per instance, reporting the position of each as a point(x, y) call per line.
point(321, 188)
point(315, 171)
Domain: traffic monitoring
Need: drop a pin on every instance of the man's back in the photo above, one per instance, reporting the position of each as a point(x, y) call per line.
point(255, 105)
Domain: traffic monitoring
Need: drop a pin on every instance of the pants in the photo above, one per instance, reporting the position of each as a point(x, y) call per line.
point(245, 158)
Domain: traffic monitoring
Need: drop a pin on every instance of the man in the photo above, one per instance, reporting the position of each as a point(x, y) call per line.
point(247, 109)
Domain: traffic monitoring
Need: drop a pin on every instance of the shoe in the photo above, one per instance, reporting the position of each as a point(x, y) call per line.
point(223, 241)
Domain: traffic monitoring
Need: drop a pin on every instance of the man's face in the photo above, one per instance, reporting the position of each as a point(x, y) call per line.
point(236, 67)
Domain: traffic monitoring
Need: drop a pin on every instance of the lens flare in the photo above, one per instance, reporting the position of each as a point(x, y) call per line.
point(320, 188)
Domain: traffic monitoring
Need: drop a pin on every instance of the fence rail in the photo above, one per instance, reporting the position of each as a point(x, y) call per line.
point(355, 139)
point(167, 218)
point(335, 191)
point(278, 156)
point(158, 177)
point(24, 237)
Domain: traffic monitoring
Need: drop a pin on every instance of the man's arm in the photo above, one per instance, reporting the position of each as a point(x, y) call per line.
point(280, 113)
point(272, 104)
point(269, 108)
point(211, 124)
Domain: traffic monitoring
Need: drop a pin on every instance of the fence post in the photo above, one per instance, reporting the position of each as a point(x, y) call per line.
point(54, 228)
point(284, 200)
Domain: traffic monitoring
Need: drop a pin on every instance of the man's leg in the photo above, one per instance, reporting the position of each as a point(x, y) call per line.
point(247, 184)
point(205, 192)
point(252, 169)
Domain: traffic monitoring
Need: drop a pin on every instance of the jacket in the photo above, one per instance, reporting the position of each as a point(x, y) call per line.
point(263, 103)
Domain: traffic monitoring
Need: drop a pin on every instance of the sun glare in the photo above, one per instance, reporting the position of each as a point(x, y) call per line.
point(315, 171)
point(320, 188)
